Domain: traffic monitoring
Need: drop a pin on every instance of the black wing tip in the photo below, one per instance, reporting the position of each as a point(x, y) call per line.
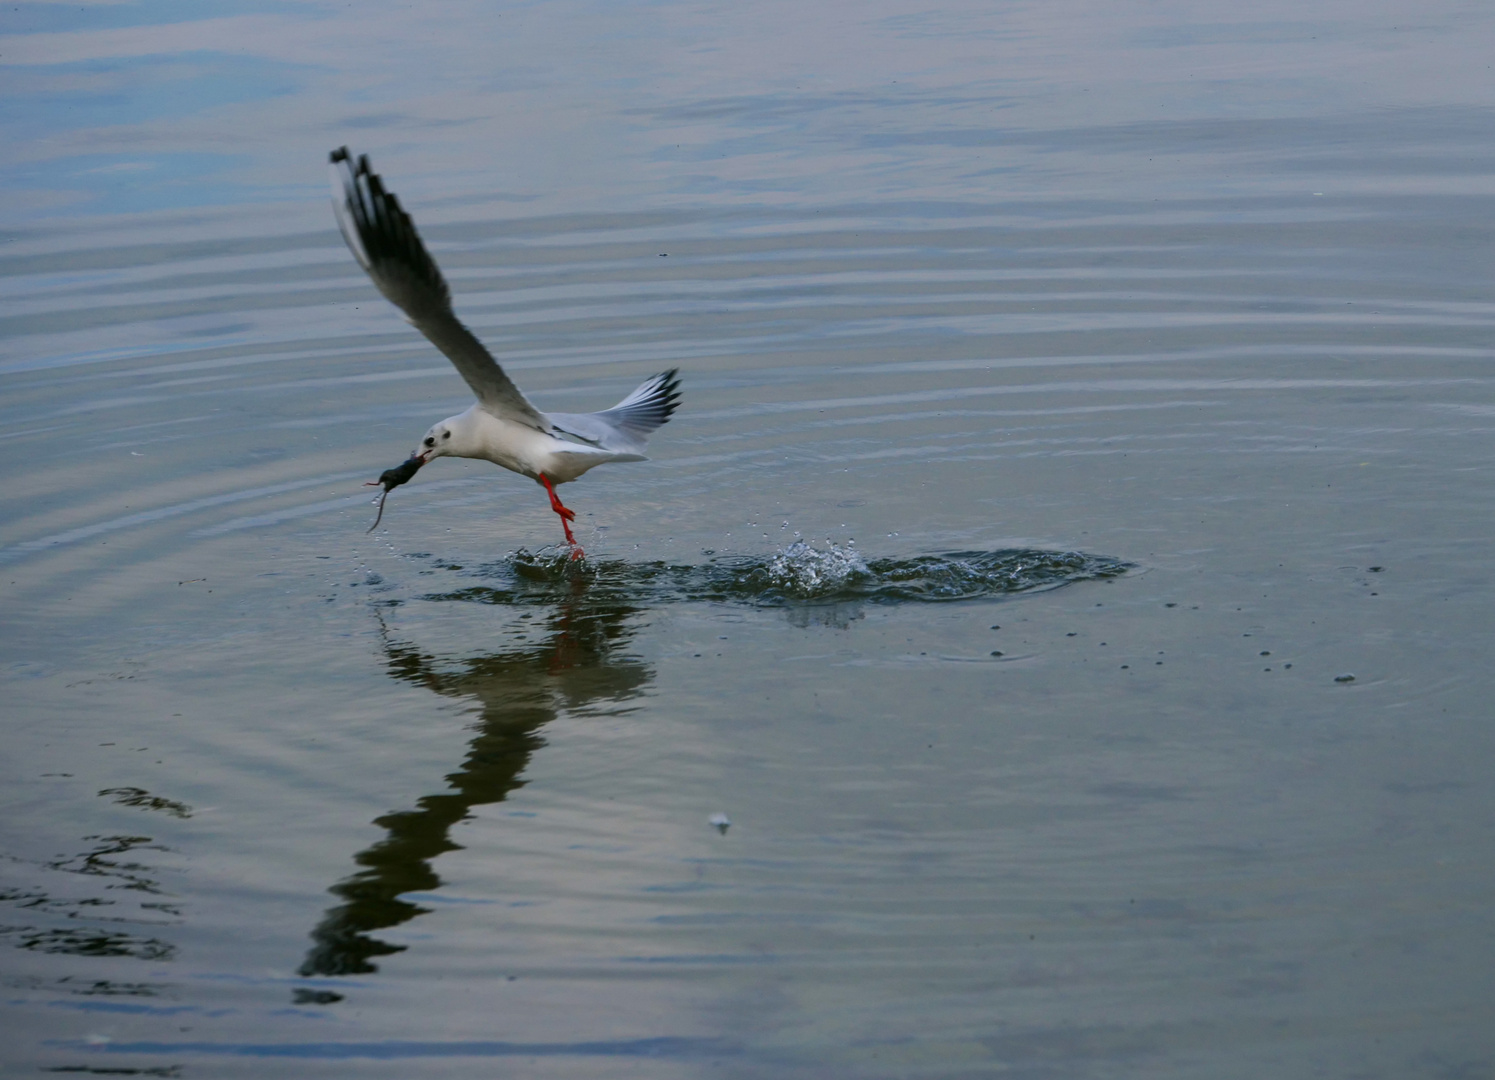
point(666, 396)
point(358, 166)
point(385, 231)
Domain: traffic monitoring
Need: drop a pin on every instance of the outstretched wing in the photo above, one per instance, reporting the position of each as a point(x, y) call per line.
point(627, 424)
point(384, 241)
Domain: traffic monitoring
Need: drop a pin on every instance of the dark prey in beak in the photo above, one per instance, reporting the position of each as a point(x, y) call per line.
point(391, 479)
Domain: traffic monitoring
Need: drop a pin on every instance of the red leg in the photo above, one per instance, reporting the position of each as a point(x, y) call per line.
point(566, 515)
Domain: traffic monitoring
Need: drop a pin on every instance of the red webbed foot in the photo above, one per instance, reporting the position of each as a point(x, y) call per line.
point(566, 515)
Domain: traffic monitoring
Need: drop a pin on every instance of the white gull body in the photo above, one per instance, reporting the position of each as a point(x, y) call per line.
point(503, 426)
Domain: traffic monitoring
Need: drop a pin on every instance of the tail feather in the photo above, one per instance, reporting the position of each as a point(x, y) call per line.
point(650, 406)
point(626, 426)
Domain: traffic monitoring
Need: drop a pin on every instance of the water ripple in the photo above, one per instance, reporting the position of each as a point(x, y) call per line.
point(798, 574)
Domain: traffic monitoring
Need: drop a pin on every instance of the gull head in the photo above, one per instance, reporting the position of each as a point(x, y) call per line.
point(438, 442)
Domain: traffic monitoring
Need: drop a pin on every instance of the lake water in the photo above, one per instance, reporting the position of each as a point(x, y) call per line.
point(1068, 570)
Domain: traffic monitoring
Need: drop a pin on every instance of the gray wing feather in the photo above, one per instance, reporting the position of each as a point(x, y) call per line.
point(625, 426)
point(384, 241)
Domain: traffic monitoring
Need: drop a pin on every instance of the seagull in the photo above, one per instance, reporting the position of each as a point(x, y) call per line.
point(502, 426)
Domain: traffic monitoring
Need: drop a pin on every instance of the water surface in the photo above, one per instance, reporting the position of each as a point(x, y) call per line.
point(1067, 570)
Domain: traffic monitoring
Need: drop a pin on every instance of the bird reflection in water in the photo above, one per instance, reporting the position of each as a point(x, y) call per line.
point(579, 659)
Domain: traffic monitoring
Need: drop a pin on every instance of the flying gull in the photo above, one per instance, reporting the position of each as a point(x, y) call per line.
point(502, 427)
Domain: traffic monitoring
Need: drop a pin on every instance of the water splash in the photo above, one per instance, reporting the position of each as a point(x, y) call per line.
point(797, 575)
point(803, 572)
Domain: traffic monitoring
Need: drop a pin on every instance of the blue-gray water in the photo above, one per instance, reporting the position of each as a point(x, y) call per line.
point(1068, 569)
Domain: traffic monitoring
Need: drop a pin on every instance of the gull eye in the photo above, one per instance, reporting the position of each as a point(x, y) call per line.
point(430, 441)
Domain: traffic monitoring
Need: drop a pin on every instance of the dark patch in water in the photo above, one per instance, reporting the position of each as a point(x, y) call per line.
point(163, 1070)
point(797, 575)
point(96, 863)
point(662, 1047)
point(124, 891)
point(134, 796)
point(88, 942)
point(107, 988)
